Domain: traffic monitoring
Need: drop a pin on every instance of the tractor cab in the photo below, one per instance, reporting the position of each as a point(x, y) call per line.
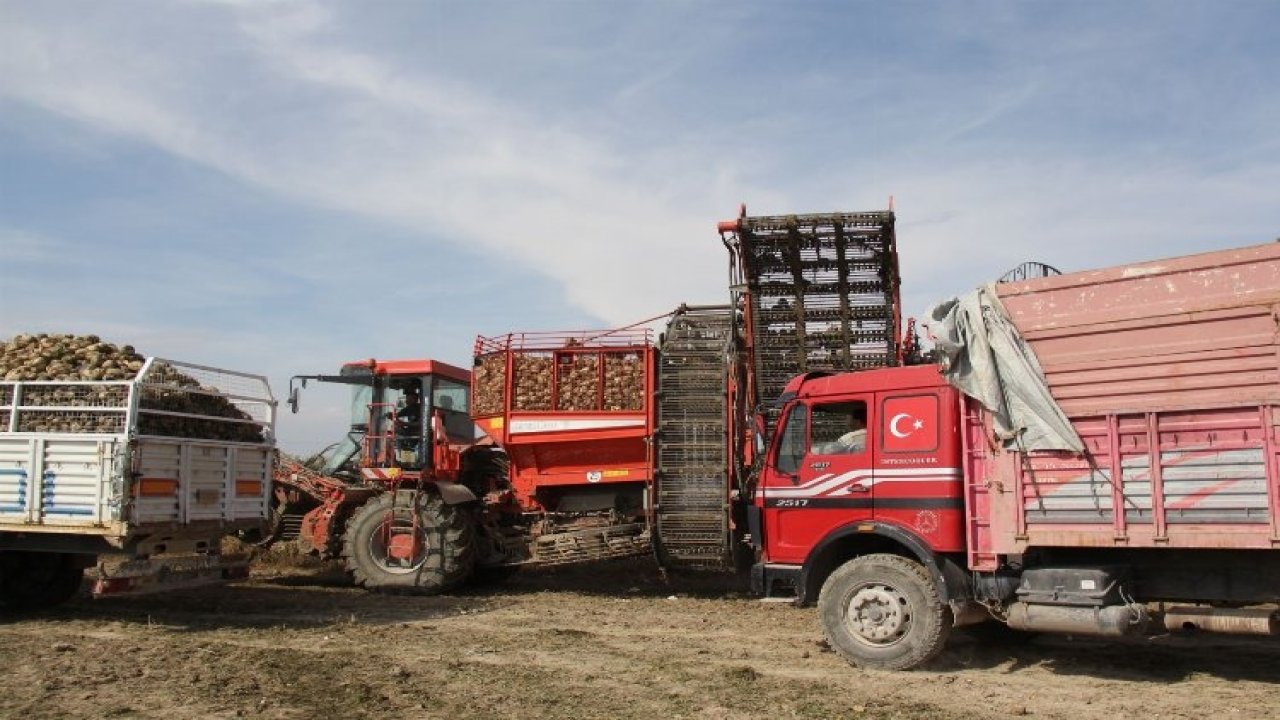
point(407, 414)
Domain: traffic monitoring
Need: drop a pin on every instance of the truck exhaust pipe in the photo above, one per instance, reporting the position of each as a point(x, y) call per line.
point(1230, 621)
point(1106, 621)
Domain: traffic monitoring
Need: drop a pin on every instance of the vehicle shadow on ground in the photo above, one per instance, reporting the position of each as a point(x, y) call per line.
point(313, 594)
point(1165, 658)
point(300, 601)
point(627, 577)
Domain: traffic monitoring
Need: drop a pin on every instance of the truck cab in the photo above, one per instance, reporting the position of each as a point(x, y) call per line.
point(871, 453)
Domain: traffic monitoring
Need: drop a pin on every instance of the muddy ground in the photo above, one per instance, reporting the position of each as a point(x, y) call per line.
point(617, 641)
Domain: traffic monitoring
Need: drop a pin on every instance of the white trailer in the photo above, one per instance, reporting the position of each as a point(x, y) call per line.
point(142, 478)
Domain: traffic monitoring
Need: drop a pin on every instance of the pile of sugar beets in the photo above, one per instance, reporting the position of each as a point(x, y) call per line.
point(69, 407)
point(578, 382)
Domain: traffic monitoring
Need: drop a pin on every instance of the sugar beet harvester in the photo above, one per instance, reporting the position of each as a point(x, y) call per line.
point(410, 500)
point(787, 432)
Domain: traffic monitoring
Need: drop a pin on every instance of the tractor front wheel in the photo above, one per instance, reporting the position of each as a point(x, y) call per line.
point(409, 541)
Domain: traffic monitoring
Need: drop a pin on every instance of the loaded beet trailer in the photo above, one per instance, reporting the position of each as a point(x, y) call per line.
point(574, 414)
point(1096, 453)
point(145, 474)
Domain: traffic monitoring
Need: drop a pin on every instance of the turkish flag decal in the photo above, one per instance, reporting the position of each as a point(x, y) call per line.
point(910, 424)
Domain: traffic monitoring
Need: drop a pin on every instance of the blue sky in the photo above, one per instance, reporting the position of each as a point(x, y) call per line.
point(283, 186)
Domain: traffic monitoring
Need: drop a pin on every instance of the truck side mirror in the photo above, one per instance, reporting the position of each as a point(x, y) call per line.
point(293, 400)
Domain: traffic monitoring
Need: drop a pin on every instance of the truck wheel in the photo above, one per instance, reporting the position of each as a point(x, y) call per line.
point(36, 580)
point(409, 542)
point(883, 611)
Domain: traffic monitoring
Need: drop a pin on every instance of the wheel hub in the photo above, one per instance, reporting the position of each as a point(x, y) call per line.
point(404, 547)
point(878, 614)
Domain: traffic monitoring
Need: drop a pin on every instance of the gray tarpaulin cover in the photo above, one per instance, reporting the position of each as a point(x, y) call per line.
point(983, 355)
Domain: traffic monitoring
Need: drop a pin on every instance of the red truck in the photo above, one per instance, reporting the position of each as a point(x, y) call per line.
point(944, 514)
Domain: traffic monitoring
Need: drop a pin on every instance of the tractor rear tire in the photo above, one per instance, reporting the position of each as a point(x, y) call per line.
point(37, 580)
point(884, 611)
point(409, 542)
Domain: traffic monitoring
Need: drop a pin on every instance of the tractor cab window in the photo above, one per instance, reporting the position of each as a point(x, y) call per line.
point(452, 399)
point(450, 395)
point(361, 396)
point(406, 397)
point(337, 458)
point(333, 460)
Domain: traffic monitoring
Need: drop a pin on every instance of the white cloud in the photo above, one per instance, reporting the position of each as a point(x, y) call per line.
point(411, 148)
point(1002, 139)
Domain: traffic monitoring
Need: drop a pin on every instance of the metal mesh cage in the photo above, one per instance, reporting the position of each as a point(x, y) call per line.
point(174, 399)
point(71, 421)
point(578, 381)
point(76, 395)
point(489, 384)
point(579, 371)
point(823, 293)
point(64, 407)
point(624, 377)
point(184, 400)
point(532, 382)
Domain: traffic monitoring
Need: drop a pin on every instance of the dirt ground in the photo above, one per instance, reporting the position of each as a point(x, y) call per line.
point(614, 641)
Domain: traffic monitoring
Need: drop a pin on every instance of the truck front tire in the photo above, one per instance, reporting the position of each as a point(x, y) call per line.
point(410, 542)
point(883, 611)
point(37, 580)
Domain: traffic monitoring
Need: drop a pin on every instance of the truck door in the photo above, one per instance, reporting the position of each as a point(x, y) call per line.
point(821, 476)
point(918, 485)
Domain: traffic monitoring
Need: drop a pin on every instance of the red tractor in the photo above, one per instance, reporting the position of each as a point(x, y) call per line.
point(412, 500)
point(388, 497)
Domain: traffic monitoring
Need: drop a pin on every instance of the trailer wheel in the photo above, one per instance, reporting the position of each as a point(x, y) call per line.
point(883, 611)
point(37, 580)
point(409, 541)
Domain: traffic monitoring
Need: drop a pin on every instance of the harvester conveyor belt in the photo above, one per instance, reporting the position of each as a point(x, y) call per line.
point(692, 473)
